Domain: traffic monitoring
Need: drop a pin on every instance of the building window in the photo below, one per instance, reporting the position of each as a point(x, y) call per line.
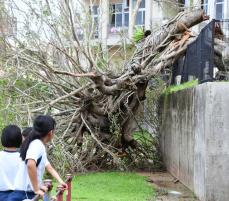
point(119, 17)
point(126, 16)
point(140, 18)
point(142, 5)
point(219, 7)
point(126, 3)
point(94, 10)
point(205, 6)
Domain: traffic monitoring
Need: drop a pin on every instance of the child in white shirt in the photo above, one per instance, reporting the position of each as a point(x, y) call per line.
point(9, 159)
point(28, 182)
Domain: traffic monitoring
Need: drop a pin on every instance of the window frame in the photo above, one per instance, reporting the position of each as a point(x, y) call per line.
point(215, 8)
point(123, 12)
point(205, 6)
point(95, 17)
point(141, 10)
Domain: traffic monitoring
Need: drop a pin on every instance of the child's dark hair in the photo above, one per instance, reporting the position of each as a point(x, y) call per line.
point(42, 125)
point(25, 133)
point(11, 136)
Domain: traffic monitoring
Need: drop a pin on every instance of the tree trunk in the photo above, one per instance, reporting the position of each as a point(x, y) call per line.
point(132, 20)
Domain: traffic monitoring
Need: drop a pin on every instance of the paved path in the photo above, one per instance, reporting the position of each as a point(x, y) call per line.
point(168, 188)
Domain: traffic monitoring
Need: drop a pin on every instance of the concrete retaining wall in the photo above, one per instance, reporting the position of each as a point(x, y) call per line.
point(195, 139)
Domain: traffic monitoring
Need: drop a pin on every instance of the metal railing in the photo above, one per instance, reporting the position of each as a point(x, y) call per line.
point(60, 191)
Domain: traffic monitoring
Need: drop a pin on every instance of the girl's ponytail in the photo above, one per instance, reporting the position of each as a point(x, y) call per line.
point(25, 145)
point(42, 125)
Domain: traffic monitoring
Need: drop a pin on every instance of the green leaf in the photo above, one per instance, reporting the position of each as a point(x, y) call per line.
point(138, 34)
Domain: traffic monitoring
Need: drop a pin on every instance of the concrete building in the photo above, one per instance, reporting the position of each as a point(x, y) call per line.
point(113, 17)
point(216, 9)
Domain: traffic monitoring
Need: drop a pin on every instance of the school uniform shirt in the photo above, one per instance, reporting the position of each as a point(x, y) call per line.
point(9, 163)
point(36, 152)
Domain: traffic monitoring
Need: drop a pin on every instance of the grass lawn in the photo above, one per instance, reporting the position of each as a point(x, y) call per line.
point(111, 186)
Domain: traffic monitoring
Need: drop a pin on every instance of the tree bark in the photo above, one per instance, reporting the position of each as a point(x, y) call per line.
point(132, 20)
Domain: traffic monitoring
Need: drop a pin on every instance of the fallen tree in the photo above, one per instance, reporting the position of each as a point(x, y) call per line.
point(96, 108)
point(221, 55)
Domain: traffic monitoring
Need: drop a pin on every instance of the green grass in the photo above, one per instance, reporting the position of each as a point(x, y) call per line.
point(111, 186)
point(175, 88)
point(143, 137)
